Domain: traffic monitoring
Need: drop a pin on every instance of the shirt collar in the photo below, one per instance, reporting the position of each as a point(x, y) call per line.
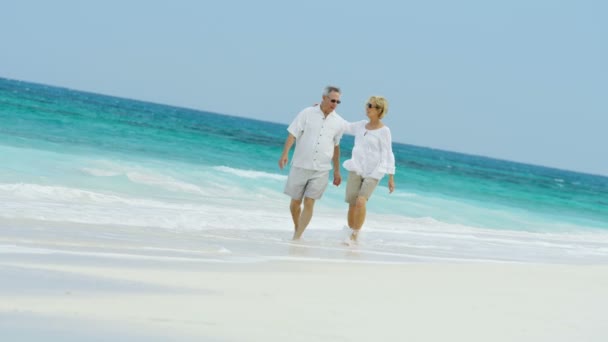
point(321, 112)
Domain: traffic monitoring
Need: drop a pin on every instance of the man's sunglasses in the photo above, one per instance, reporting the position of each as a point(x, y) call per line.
point(335, 101)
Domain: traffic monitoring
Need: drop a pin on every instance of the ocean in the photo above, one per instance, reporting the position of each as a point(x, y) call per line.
point(83, 162)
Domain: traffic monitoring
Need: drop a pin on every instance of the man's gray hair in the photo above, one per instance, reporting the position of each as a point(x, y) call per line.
point(330, 89)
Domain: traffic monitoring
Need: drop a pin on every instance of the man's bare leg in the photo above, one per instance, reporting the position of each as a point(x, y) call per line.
point(305, 217)
point(296, 209)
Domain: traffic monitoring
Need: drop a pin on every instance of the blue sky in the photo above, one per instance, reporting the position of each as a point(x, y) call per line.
point(519, 80)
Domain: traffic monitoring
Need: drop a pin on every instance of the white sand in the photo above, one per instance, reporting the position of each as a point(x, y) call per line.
point(61, 286)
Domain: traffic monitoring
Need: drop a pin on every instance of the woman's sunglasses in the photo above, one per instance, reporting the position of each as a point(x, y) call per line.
point(370, 106)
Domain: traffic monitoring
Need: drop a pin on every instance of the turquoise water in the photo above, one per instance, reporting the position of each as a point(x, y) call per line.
point(66, 144)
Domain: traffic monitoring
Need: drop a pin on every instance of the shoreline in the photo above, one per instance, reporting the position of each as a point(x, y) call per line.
point(65, 282)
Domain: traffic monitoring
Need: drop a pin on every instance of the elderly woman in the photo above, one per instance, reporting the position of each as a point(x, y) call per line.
point(372, 158)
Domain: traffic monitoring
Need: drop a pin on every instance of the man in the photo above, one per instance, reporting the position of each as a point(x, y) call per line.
point(317, 132)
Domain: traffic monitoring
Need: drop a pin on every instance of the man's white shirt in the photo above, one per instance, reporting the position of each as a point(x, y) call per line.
point(316, 136)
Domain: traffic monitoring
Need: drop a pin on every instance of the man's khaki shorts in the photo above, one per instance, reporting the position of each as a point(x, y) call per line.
point(306, 183)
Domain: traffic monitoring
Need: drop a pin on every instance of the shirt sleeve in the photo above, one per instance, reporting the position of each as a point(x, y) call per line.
point(342, 129)
point(352, 127)
point(388, 158)
point(348, 127)
point(296, 128)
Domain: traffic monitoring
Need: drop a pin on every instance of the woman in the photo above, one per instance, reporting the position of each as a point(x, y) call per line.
point(372, 158)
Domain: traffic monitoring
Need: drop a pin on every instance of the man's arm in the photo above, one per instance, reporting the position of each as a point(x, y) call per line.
point(285, 156)
point(336, 161)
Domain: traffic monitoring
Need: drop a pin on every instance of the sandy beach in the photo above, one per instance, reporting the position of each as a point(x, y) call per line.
point(66, 285)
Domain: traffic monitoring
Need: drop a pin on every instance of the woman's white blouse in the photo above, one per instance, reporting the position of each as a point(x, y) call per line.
point(372, 155)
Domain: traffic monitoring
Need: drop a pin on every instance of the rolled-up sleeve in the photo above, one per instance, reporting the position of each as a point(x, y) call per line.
point(343, 127)
point(296, 128)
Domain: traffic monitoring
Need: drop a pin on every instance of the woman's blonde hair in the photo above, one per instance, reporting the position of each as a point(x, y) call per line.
point(381, 103)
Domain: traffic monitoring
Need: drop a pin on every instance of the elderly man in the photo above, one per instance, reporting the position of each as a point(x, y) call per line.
point(317, 132)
